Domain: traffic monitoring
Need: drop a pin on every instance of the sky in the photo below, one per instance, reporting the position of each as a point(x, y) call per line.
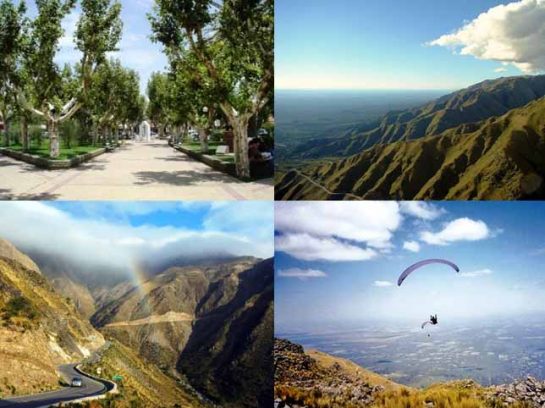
point(339, 262)
point(417, 44)
point(137, 51)
point(118, 235)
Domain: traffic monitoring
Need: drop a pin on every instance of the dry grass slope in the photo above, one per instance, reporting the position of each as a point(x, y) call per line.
point(317, 380)
point(143, 384)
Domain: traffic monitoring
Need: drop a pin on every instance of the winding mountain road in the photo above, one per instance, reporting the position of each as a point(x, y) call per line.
point(324, 188)
point(90, 388)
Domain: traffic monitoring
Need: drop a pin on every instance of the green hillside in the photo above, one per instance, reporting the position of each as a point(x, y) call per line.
point(499, 158)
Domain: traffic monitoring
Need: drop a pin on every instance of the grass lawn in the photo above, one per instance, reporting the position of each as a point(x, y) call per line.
point(65, 154)
point(196, 147)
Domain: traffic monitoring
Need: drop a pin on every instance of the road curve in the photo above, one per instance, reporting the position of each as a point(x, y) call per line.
point(90, 388)
point(324, 188)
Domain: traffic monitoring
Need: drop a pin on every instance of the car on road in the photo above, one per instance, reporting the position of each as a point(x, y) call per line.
point(76, 382)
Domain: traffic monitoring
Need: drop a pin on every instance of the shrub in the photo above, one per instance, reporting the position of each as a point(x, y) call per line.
point(19, 307)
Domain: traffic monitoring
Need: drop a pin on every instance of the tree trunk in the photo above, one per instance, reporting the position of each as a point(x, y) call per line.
point(242, 162)
point(54, 147)
point(4, 116)
point(24, 133)
point(6, 132)
point(203, 135)
point(253, 126)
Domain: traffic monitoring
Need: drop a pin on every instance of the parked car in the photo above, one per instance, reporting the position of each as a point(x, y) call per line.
point(76, 382)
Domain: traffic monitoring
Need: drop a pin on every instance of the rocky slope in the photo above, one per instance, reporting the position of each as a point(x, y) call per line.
point(211, 322)
point(316, 379)
point(89, 288)
point(39, 329)
point(476, 103)
point(229, 353)
point(313, 379)
point(499, 158)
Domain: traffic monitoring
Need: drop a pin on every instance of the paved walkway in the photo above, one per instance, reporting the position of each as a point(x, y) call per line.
point(136, 171)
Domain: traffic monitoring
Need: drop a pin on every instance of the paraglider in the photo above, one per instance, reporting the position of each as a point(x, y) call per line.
point(433, 321)
point(420, 264)
point(433, 318)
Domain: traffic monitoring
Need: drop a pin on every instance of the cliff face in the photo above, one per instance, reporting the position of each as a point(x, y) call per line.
point(229, 353)
point(499, 158)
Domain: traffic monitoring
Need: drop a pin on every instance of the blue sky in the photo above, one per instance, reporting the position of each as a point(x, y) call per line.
point(120, 234)
point(384, 44)
point(341, 263)
point(137, 51)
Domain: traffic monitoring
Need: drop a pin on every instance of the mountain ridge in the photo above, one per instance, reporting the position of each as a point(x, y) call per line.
point(475, 103)
point(497, 158)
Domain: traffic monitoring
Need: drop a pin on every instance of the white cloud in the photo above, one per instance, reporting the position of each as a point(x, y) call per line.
point(302, 274)
point(309, 248)
point(513, 33)
point(475, 274)
point(421, 209)
point(500, 69)
point(412, 246)
point(372, 223)
point(117, 244)
point(461, 229)
point(382, 284)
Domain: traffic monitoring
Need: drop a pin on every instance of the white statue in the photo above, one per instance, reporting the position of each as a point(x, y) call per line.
point(144, 133)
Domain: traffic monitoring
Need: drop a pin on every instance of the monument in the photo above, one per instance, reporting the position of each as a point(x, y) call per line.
point(144, 134)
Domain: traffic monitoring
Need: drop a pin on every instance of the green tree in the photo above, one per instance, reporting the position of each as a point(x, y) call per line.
point(233, 43)
point(13, 26)
point(115, 98)
point(158, 95)
point(98, 32)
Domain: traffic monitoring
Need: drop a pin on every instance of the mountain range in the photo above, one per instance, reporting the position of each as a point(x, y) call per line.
point(483, 142)
point(198, 335)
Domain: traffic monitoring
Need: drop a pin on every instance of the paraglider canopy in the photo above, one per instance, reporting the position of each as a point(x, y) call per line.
point(420, 264)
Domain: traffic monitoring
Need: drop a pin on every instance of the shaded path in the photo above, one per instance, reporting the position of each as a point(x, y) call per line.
point(136, 171)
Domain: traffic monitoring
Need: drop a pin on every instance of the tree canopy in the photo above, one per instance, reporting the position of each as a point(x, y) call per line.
point(231, 48)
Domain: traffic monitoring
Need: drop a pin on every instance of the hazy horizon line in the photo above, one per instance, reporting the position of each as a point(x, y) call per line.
point(365, 89)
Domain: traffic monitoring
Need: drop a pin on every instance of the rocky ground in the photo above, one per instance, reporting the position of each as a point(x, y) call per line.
point(530, 390)
point(311, 379)
point(298, 377)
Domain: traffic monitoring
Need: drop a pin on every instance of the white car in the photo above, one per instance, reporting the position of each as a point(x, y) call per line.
point(76, 382)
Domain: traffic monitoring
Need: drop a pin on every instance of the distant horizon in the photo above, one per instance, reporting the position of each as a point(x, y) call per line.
point(366, 89)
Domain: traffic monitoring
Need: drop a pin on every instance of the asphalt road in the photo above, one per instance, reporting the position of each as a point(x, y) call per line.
point(90, 388)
